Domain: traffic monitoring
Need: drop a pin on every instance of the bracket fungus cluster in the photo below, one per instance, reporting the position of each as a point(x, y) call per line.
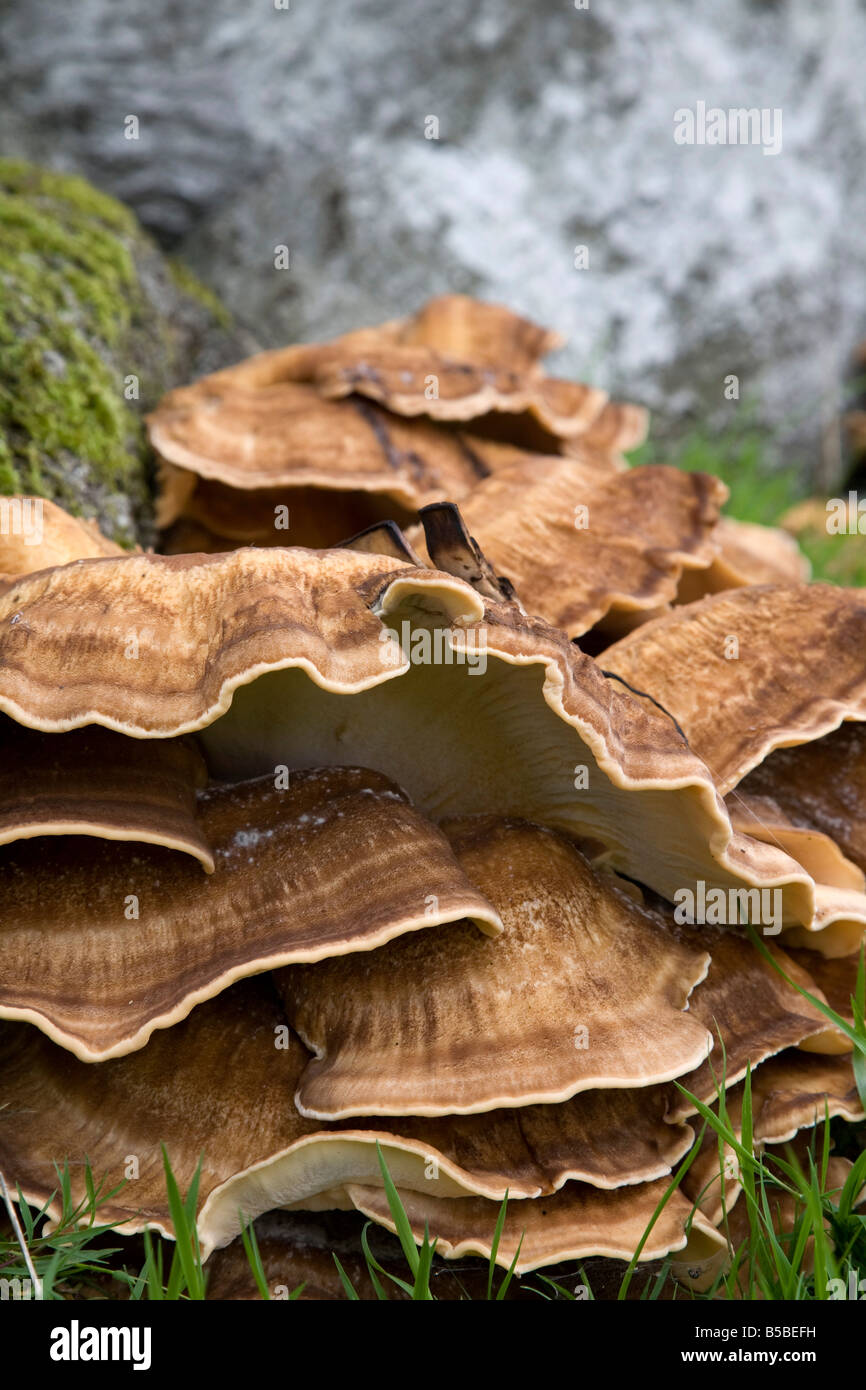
point(330, 842)
point(314, 443)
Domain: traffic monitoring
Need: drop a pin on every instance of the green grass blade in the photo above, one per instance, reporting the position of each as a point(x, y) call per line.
point(421, 1292)
point(374, 1268)
point(187, 1254)
point(494, 1248)
point(348, 1288)
point(509, 1273)
point(254, 1258)
point(398, 1215)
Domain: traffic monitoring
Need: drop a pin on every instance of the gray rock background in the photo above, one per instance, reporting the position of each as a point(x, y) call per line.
point(305, 127)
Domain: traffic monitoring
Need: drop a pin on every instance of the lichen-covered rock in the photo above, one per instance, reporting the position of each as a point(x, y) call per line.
point(401, 150)
point(95, 324)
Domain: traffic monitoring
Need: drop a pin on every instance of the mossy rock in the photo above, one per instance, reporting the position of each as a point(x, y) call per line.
point(95, 324)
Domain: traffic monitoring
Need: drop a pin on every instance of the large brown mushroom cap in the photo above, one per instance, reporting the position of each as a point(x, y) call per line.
point(266, 646)
point(456, 325)
point(608, 1138)
point(95, 782)
point(795, 673)
point(484, 361)
point(66, 633)
point(482, 358)
point(574, 1223)
point(579, 542)
point(337, 862)
point(191, 1089)
point(752, 671)
point(581, 991)
point(288, 438)
point(370, 426)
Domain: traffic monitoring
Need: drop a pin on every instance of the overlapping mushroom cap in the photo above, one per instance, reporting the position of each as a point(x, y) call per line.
point(96, 783)
point(370, 420)
point(537, 1018)
point(295, 658)
point(753, 670)
point(305, 852)
point(307, 864)
point(337, 862)
point(769, 686)
point(581, 543)
point(220, 1085)
point(313, 443)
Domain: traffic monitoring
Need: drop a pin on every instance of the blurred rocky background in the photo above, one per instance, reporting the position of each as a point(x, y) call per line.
point(301, 124)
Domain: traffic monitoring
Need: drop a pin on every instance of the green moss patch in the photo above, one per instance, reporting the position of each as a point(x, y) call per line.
point(85, 306)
